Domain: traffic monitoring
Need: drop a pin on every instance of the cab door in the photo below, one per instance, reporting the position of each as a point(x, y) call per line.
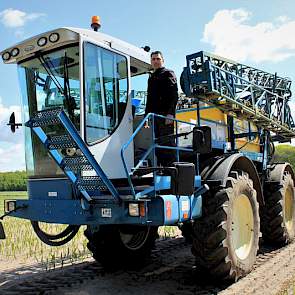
point(107, 107)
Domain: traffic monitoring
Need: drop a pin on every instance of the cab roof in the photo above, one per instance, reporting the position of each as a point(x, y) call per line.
point(67, 35)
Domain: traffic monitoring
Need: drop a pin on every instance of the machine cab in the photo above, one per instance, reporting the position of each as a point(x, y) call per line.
point(93, 77)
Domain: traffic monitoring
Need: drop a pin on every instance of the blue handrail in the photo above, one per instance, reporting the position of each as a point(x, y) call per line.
point(153, 146)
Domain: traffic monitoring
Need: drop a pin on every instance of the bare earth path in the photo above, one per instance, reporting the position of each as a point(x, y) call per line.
point(170, 271)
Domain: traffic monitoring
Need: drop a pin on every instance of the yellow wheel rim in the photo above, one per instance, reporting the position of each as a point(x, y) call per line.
point(288, 209)
point(242, 226)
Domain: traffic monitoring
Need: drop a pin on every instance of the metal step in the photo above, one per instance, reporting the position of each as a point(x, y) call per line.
point(44, 118)
point(63, 141)
point(77, 163)
point(91, 183)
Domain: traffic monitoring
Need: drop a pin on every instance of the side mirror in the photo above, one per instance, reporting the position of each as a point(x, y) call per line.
point(47, 84)
point(12, 123)
point(202, 139)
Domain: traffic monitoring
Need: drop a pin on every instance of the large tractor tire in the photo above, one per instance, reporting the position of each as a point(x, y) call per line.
point(225, 240)
point(121, 246)
point(278, 226)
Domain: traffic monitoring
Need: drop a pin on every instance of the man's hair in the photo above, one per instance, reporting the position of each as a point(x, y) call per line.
point(157, 52)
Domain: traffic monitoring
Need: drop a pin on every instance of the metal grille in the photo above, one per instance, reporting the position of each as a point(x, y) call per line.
point(61, 142)
point(43, 118)
point(77, 163)
point(241, 91)
point(91, 183)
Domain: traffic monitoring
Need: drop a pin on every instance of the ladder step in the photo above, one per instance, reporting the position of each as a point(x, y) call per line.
point(61, 142)
point(44, 118)
point(77, 163)
point(74, 163)
point(91, 183)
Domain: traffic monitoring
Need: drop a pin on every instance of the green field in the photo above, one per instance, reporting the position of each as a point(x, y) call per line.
point(21, 242)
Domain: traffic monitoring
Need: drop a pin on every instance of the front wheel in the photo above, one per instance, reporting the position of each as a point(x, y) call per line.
point(121, 246)
point(225, 240)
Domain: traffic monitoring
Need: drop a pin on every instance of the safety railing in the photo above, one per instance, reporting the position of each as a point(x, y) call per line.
point(153, 147)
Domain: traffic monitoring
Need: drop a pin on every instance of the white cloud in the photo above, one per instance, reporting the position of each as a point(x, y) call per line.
point(12, 158)
point(14, 18)
point(231, 35)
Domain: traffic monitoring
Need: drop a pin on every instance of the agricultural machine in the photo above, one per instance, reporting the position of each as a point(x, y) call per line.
point(90, 161)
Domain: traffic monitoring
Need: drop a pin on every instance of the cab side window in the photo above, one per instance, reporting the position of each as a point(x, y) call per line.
point(139, 93)
point(105, 85)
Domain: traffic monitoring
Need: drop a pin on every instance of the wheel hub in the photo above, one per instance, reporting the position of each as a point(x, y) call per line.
point(289, 209)
point(242, 226)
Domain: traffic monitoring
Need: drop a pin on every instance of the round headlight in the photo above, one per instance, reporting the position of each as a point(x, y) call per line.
point(6, 56)
point(42, 41)
point(54, 37)
point(14, 52)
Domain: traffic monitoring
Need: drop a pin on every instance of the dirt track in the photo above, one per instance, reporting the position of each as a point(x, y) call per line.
point(170, 271)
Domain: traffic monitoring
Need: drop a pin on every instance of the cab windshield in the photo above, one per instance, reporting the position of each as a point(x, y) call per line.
point(49, 81)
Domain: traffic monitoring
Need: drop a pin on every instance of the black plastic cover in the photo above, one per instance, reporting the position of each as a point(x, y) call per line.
point(183, 180)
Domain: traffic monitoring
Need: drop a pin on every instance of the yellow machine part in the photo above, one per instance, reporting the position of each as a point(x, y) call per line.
point(216, 119)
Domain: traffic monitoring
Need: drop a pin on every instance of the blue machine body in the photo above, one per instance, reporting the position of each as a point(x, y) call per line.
point(52, 201)
point(78, 200)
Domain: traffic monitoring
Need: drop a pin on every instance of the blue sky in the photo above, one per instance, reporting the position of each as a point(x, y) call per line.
point(254, 32)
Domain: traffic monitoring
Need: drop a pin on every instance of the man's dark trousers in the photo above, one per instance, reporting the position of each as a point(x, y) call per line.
point(165, 136)
point(162, 96)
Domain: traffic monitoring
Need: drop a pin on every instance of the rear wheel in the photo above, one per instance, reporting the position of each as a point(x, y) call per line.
point(121, 246)
point(225, 240)
point(279, 212)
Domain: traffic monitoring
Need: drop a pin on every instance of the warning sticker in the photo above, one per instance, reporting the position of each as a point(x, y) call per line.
point(185, 205)
point(168, 210)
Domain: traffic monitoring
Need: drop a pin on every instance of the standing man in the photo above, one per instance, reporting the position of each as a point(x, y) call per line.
point(162, 96)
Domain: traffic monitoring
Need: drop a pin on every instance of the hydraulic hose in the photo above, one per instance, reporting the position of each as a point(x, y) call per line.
point(64, 237)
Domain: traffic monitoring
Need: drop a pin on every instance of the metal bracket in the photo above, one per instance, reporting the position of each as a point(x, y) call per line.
point(17, 208)
point(2, 232)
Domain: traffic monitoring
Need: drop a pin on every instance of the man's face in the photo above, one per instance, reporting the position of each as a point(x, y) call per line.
point(157, 61)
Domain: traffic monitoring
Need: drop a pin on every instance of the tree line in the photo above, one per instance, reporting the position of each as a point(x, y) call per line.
point(13, 181)
point(285, 153)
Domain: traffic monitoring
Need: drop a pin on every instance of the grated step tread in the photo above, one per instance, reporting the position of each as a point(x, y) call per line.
point(61, 142)
point(46, 117)
point(77, 163)
point(91, 183)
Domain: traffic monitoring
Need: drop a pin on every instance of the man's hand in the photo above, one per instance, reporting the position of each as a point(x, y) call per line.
point(168, 120)
point(146, 125)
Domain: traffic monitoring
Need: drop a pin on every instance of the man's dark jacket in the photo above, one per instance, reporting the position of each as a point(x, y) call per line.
point(162, 93)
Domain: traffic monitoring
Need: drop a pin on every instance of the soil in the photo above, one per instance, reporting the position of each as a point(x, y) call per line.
point(171, 270)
